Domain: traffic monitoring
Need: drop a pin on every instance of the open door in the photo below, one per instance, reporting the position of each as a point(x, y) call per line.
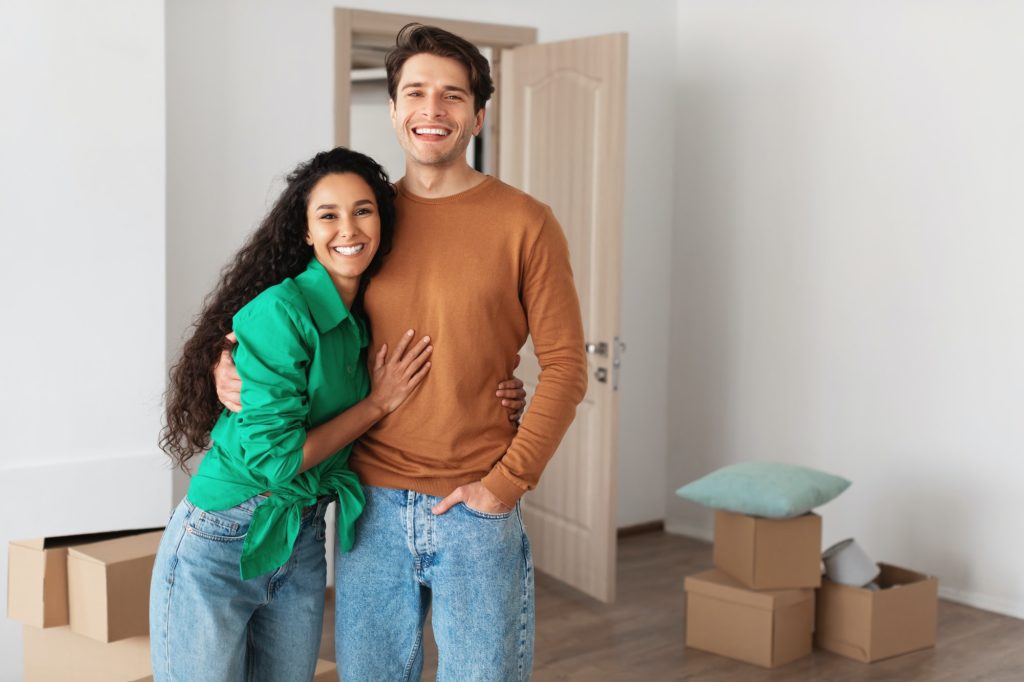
point(562, 128)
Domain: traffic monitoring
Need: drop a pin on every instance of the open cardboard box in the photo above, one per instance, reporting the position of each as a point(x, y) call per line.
point(108, 586)
point(37, 576)
point(868, 626)
point(768, 628)
point(769, 554)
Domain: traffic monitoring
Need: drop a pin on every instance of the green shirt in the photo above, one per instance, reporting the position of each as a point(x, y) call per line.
point(301, 355)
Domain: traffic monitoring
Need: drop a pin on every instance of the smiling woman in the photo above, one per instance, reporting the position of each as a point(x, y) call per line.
point(252, 523)
point(344, 229)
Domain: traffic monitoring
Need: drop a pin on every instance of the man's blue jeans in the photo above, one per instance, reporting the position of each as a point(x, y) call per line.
point(472, 569)
point(206, 623)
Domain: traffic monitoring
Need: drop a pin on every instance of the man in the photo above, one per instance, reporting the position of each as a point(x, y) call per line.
point(478, 266)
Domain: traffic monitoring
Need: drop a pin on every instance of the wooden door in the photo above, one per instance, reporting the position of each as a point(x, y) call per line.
point(562, 129)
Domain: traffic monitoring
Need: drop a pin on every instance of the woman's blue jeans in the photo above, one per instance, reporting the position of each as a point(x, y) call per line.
point(206, 623)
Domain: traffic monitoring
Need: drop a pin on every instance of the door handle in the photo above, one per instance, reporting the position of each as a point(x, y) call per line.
point(599, 348)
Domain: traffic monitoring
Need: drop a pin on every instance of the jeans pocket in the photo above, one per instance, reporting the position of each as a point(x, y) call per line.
point(220, 526)
point(484, 515)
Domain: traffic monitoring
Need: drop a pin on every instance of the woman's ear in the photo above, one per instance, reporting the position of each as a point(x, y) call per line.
point(309, 239)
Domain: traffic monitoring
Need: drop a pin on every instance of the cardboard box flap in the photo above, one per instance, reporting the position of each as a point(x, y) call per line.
point(893, 576)
point(717, 584)
point(123, 548)
point(56, 541)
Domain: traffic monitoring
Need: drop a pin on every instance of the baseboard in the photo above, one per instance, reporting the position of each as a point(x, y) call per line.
point(690, 531)
point(641, 528)
point(1007, 607)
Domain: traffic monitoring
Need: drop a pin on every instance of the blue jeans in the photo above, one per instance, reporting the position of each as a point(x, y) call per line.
point(206, 623)
point(474, 571)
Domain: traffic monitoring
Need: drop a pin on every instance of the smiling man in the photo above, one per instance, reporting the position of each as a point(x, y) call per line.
point(479, 266)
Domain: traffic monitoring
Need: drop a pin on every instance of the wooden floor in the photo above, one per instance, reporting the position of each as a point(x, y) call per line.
point(640, 637)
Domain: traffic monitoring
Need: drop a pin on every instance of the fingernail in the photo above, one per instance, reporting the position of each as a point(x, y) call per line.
point(409, 333)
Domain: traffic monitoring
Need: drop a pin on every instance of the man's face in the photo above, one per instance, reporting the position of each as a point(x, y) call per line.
point(433, 111)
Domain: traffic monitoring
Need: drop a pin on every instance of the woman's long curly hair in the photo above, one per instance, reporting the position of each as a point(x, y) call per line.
point(275, 251)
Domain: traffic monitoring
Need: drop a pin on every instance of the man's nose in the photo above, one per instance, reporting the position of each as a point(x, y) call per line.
point(433, 107)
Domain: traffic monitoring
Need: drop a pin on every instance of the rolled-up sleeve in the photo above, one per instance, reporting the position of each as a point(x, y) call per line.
point(272, 358)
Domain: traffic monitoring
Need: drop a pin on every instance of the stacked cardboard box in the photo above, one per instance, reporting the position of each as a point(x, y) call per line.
point(84, 602)
point(757, 604)
point(765, 600)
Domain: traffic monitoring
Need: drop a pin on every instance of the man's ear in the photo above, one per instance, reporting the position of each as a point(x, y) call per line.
point(391, 110)
point(479, 125)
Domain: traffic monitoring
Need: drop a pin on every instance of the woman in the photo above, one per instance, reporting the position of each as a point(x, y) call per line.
point(238, 585)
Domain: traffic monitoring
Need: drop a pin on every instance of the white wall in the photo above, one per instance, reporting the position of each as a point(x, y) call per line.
point(82, 233)
point(250, 88)
point(847, 289)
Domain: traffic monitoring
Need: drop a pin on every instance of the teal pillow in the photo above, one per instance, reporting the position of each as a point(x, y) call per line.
point(770, 489)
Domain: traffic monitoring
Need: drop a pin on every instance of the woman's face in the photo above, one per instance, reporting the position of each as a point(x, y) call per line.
point(343, 227)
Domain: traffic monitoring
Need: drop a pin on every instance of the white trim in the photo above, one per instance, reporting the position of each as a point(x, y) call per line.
point(1007, 607)
point(694, 532)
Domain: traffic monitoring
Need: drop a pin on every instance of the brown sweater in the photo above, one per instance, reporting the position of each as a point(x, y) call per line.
point(477, 271)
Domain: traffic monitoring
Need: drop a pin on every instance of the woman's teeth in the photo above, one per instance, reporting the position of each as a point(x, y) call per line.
point(349, 250)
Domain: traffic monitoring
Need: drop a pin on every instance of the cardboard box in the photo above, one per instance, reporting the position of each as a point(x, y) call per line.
point(58, 654)
point(869, 626)
point(326, 671)
point(37, 582)
point(108, 586)
point(769, 554)
point(768, 628)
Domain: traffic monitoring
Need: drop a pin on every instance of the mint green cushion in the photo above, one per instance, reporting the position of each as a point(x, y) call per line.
point(769, 489)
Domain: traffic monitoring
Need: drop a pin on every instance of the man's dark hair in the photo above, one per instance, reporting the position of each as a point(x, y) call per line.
point(416, 39)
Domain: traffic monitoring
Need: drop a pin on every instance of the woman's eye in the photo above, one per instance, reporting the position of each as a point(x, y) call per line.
point(328, 216)
point(363, 211)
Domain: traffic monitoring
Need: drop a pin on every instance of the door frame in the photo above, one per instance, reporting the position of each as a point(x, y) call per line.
point(354, 28)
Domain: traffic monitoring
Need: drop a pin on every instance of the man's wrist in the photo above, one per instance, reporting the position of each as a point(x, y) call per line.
point(504, 490)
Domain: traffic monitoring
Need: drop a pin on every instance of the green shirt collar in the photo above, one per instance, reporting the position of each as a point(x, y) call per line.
point(322, 296)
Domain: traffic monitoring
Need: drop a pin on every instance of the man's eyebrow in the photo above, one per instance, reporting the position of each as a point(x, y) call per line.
point(456, 88)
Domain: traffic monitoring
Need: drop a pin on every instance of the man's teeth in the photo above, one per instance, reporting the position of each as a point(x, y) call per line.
point(431, 131)
point(349, 250)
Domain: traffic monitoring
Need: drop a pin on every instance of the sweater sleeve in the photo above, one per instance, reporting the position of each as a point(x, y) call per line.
point(273, 361)
point(553, 315)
